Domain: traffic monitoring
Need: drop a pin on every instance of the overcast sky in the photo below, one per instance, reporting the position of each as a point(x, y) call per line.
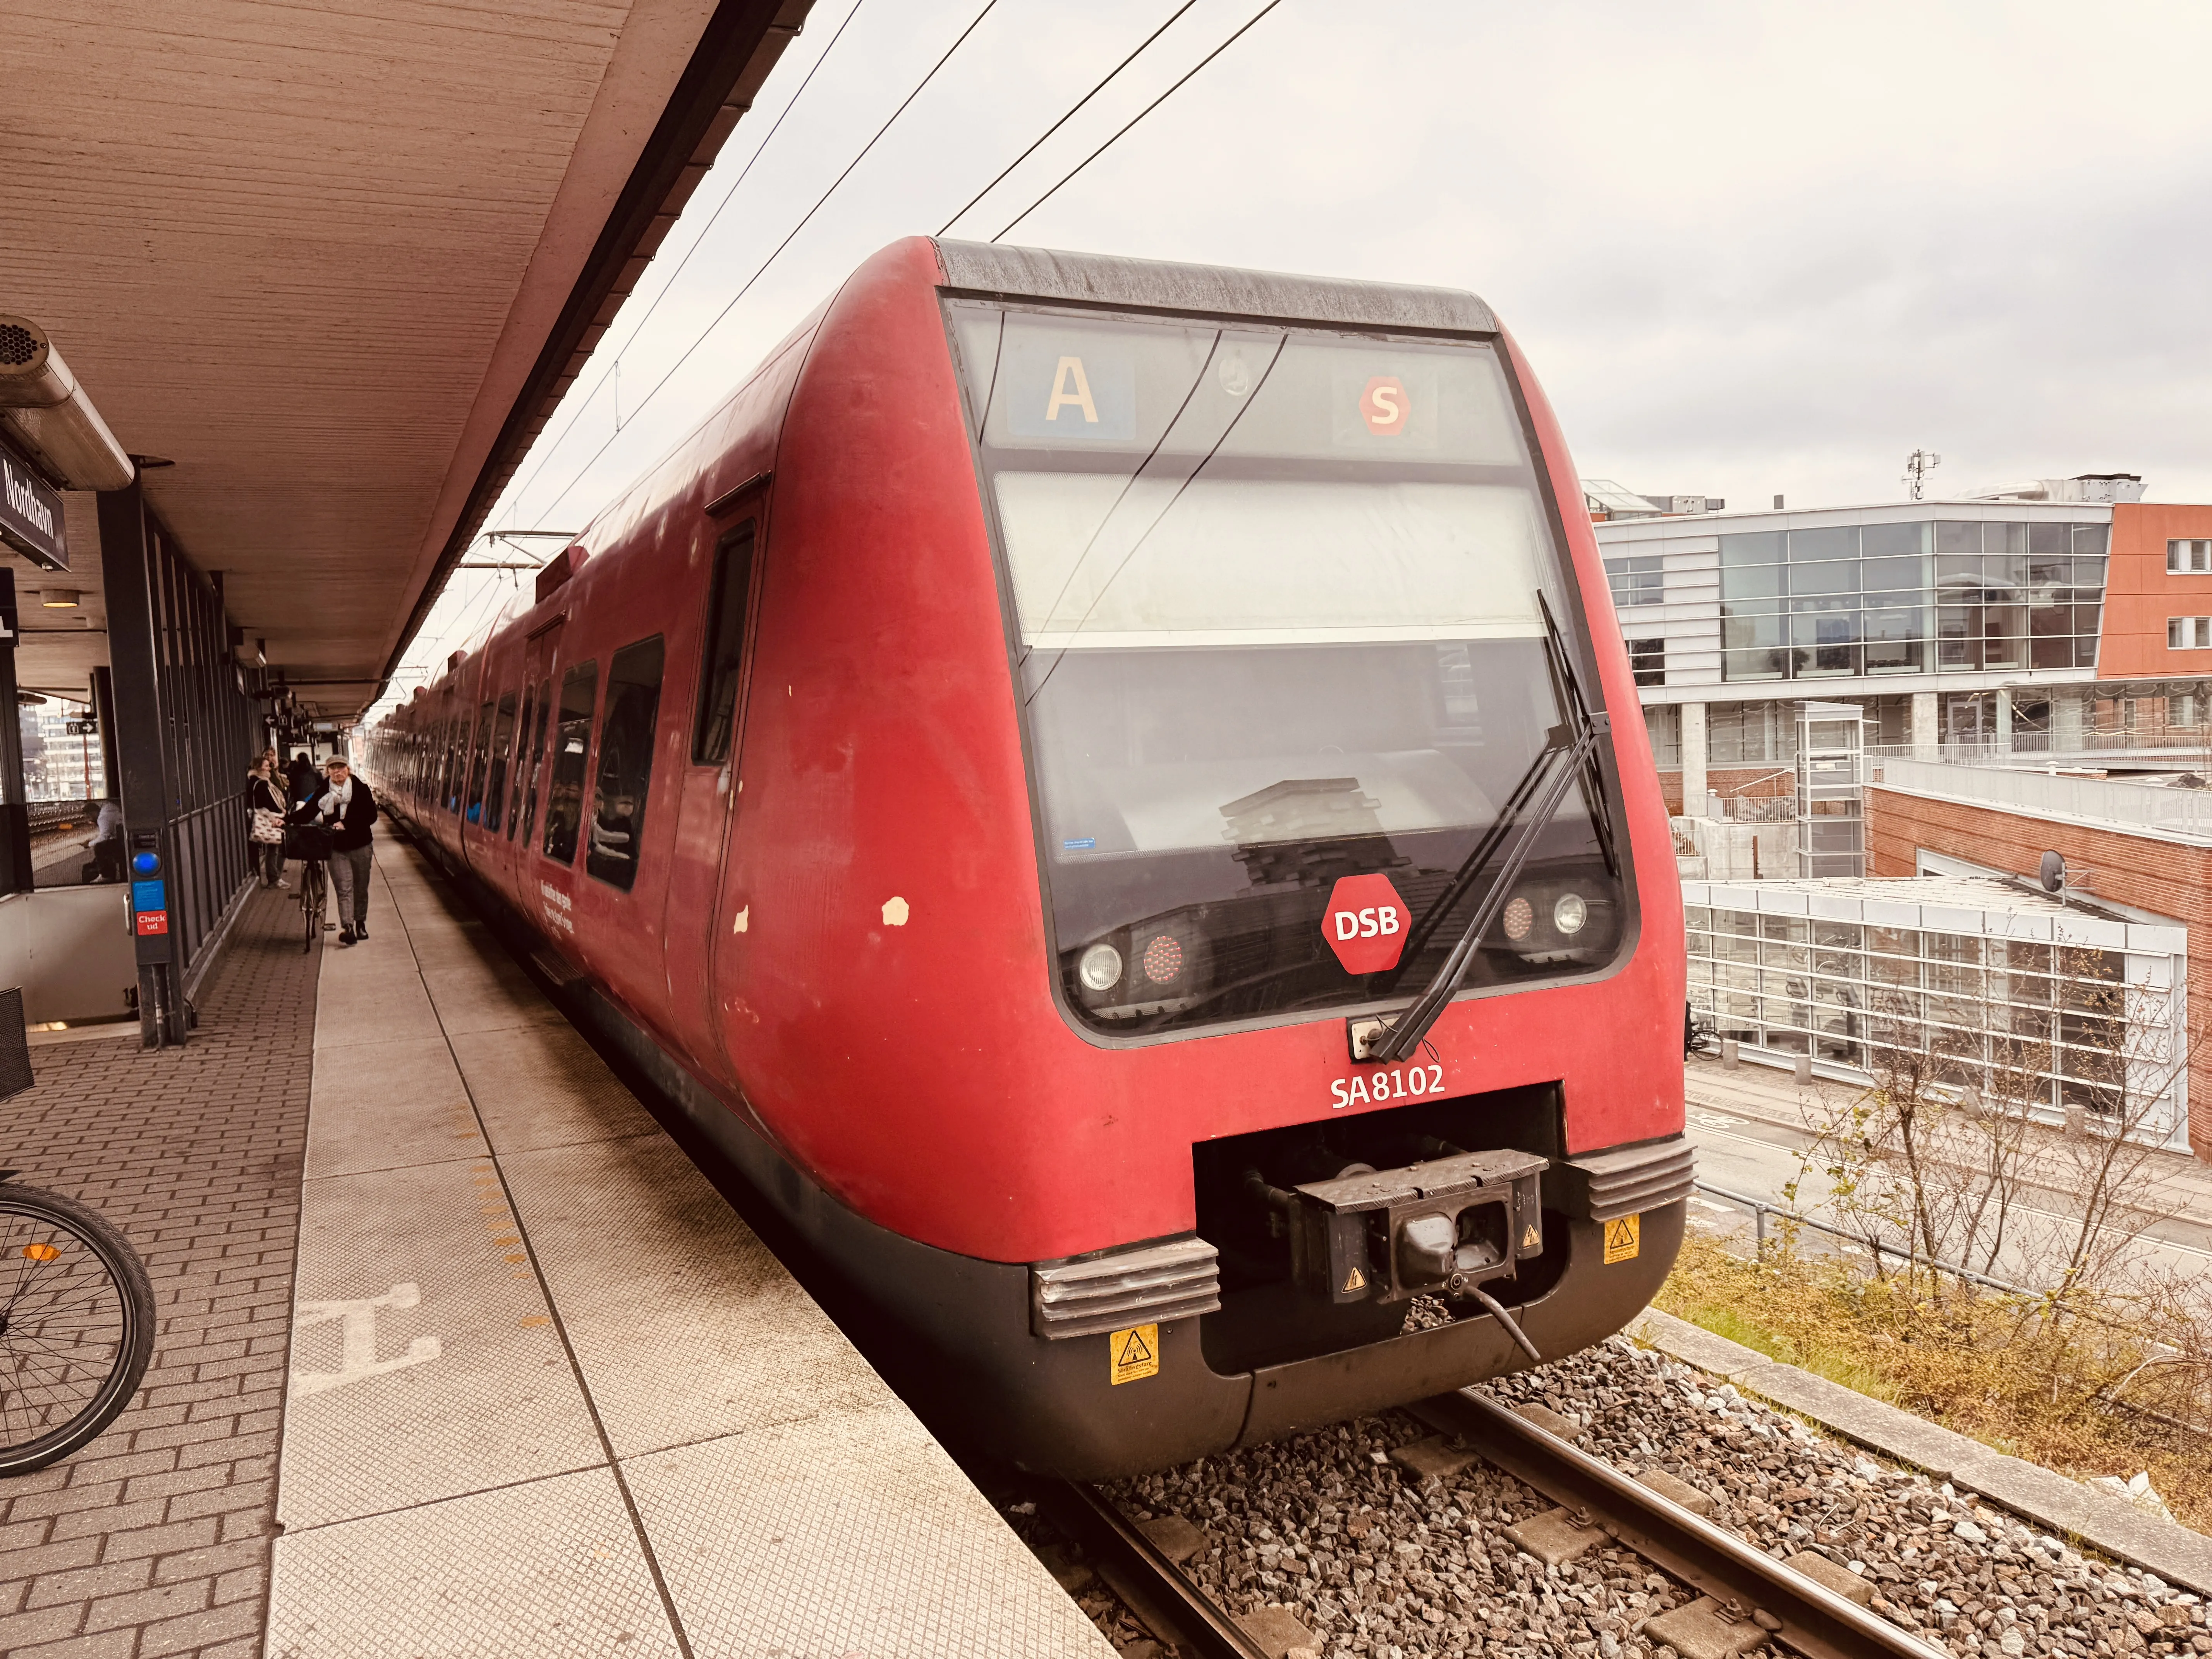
point(1750, 250)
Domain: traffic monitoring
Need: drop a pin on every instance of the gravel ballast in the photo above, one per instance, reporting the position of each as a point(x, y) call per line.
point(1376, 1562)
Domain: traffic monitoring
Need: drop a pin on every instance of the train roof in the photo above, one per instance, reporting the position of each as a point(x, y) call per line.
point(1029, 273)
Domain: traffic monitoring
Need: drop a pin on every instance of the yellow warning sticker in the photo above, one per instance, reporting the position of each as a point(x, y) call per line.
point(1354, 1280)
point(1133, 1354)
point(1530, 1238)
point(1624, 1237)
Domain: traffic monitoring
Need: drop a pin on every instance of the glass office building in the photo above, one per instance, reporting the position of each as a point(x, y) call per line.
point(1945, 622)
point(1842, 601)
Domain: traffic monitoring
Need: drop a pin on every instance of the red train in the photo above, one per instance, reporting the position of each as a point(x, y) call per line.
point(1113, 792)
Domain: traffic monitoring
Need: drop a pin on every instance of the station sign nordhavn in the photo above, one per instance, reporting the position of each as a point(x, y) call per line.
point(31, 513)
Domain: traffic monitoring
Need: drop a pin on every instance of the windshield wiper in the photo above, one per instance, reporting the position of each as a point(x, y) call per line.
point(1568, 756)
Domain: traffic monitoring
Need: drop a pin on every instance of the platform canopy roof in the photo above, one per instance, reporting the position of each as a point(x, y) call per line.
point(335, 264)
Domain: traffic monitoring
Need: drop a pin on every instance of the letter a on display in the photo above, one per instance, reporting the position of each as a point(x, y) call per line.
point(1071, 385)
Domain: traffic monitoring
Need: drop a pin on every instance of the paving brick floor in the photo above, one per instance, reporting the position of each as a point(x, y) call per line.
point(154, 1540)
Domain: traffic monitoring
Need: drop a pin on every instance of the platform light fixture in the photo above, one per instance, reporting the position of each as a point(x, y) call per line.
point(42, 405)
point(59, 599)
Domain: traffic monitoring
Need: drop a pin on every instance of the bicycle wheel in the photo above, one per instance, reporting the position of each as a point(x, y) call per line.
point(77, 1326)
point(311, 905)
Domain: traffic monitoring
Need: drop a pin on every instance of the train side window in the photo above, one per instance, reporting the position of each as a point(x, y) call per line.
point(626, 738)
point(572, 738)
point(457, 761)
point(502, 740)
point(521, 758)
point(536, 758)
point(477, 762)
point(724, 646)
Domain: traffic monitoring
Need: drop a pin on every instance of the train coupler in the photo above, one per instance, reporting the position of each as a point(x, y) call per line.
point(1439, 1227)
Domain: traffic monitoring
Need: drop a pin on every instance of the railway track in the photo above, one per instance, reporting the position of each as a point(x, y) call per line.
point(1745, 1597)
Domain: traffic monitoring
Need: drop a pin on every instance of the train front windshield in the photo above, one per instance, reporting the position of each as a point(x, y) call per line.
point(1276, 592)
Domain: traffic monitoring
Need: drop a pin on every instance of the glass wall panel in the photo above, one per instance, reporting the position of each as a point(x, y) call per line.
point(1894, 640)
point(1830, 576)
point(1958, 644)
point(1882, 541)
point(1765, 548)
point(1752, 582)
point(1836, 542)
point(1899, 574)
point(1826, 644)
point(1938, 595)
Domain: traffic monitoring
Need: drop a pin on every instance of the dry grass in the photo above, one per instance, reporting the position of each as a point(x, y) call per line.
point(1973, 1365)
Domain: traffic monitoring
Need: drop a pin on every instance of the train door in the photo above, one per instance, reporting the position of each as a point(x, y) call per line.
point(542, 888)
point(692, 930)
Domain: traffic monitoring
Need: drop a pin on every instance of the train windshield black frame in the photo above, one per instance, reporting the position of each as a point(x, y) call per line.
point(1277, 597)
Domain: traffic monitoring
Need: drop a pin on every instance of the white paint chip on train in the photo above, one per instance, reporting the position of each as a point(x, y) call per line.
point(895, 912)
point(743, 919)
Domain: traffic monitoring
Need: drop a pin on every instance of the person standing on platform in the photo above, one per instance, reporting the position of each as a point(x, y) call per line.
point(303, 782)
point(265, 799)
point(349, 810)
point(107, 846)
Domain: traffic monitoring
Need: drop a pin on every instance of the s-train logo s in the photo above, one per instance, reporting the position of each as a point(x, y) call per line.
point(1385, 406)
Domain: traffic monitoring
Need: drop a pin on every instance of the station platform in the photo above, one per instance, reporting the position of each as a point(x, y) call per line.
point(545, 1393)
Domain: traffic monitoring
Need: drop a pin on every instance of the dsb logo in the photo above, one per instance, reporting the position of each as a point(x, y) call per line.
point(1365, 923)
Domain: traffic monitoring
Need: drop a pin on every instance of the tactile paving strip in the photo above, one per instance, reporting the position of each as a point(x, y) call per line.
point(686, 1326)
point(542, 1085)
point(473, 995)
point(541, 1570)
point(853, 1533)
point(386, 1106)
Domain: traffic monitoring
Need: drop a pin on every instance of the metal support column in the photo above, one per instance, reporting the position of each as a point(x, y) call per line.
point(103, 711)
point(134, 677)
point(1695, 804)
point(14, 807)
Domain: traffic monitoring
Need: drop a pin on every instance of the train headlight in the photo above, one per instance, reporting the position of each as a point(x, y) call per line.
point(1100, 969)
point(1520, 917)
point(1569, 914)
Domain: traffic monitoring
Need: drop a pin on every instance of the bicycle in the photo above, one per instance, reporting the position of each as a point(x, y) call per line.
point(315, 890)
point(77, 1325)
point(309, 846)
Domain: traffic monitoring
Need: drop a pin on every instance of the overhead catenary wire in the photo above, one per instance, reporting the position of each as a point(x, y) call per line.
point(1139, 116)
point(1073, 111)
point(804, 218)
point(697, 242)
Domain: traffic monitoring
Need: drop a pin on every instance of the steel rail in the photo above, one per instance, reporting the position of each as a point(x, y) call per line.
point(1159, 1592)
point(1797, 1611)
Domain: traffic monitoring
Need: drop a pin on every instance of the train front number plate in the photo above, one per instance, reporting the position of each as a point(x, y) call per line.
point(1392, 1083)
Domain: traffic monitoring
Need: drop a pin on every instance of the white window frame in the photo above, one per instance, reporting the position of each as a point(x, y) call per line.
point(2189, 633)
point(2188, 556)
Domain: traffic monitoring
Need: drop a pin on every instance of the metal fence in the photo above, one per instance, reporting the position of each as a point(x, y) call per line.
point(1760, 1209)
point(209, 730)
point(2149, 808)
